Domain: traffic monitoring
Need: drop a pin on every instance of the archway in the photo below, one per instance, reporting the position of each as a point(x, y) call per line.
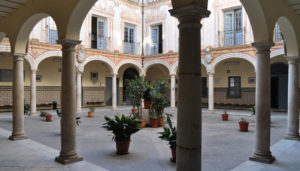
point(279, 83)
point(129, 74)
point(97, 84)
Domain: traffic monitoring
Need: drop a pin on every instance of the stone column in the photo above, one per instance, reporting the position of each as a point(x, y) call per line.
point(189, 119)
point(262, 151)
point(68, 153)
point(114, 91)
point(33, 93)
point(293, 99)
point(173, 91)
point(78, 92)
point(18, 132)
point(211, 87)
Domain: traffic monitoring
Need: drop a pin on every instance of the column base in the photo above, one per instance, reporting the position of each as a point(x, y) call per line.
point(67, 159)
point(17, 137)
point(262, 158)
point(292, 137)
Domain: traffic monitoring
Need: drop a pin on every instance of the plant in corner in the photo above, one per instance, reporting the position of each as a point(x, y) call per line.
point(91, 113)
point(169, 134)
point(225, 116)
point(243, 123)
point(122, 127)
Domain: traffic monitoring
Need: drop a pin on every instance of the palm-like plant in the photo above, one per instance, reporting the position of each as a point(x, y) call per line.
point(170, 133)
point(122, 127)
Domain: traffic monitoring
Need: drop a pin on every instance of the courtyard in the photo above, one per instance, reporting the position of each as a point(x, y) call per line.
point(224, 146)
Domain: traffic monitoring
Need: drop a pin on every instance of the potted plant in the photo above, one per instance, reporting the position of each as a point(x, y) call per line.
point(122, 128)
point(243, 123)
point(135, 90)
point(159, 101)
point(225, 116)
point(169, 134)
point(91, 113)
point(252, 109)
point(26, 108)
point(43, 114)
point(154, 119)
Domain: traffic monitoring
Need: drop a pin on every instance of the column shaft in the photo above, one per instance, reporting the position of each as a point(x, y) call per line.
point(189, 119)
point(68, 153)
point(211, 92)
point(114, 92)
point(173, 91)
point(262, 151)
point(18, 132)
point(293, 99)
point(79, 92)
point(33, 93)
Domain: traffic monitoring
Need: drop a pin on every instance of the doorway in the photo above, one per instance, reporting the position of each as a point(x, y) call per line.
point(129, 74)
point(279, 85)
point(108, 91)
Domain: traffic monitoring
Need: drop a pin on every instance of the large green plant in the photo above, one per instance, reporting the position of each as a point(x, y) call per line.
point(159, 100)
point(122, 127)
point(169, 134)
point(135, 89)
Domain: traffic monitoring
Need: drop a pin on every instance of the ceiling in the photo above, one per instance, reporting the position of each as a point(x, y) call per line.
point(9, 6)
point(295, 4)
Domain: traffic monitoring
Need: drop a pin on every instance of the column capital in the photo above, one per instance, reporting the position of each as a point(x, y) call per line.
point(210, 73)
point(190, 14)
point(15, 54)
point(292, 59)
point(33, 70)
point(263, 47)
point(114, 74)
point(68, 44)
point(173, 75)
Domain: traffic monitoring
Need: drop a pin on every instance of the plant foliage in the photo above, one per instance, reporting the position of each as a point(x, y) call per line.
point(43, 114)
point(170, 133)
point(122, 126)
point(253, 109)
point(26, 108)
point(78, 118)
point(159, 100)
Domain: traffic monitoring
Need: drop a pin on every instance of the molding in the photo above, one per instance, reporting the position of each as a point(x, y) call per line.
point(277, 52)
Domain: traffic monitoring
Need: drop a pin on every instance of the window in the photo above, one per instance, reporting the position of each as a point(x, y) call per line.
point(277, 33)
point(204, 87)
point(234, 87)
point(99, 33)
point(156, 39)
point(129, 39)
point(233, 28)
point(52, 32)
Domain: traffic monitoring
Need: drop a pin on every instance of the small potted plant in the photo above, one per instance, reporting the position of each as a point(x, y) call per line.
point(154, 119)
point(48, 117)
point(122, 128)
point(169, 134)
point(26, 108)
point(91, 113)
point(225, 116)
point(43, 114)
point(252, 109)
point(243, 123)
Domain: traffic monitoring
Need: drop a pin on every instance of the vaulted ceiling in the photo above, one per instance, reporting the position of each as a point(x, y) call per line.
point(295, 4)
point(9, 6)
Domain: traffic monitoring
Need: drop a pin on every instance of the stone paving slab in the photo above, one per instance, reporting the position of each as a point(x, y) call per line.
point(29, 155)
point(287, 158)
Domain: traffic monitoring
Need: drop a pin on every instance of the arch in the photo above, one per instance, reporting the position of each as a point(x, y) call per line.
point(23, 34)
point(276, 53)
point(2, 35)
point(175, 66)
point(30, 60)
point(155, 62)
point(102, 59)
point(289, 35)
point(46, 55)
point(129, 61)
point(233, 55)
point(77, 17)
point(258, 20)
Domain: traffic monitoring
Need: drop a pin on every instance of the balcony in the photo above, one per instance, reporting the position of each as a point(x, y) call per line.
point(231, 38)
point(130, 48)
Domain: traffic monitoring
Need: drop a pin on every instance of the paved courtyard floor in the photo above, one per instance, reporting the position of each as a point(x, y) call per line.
point(224, 146)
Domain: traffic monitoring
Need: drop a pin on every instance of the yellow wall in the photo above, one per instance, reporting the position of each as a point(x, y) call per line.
point(244, 69)
point(49, 70)
point(95, 66)
point(157, 72)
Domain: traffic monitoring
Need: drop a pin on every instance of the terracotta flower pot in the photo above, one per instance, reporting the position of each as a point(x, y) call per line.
point(143, 123)
point(225, 117)
point(90, 114)
point(173, 158)
point(134, 110)
point(122, 147)
point(48, 118)
point(244, 126)
point(161, 122)
point(147, 104)
point(154, 123)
